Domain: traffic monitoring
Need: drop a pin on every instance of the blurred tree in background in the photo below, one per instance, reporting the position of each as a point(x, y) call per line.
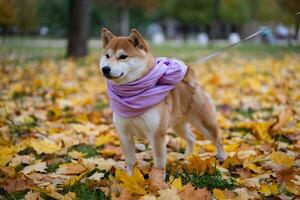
point(79, 27)
point(7, 13)
point(218, 18)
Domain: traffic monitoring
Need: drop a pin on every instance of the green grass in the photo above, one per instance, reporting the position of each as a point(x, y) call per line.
point(209, 180)
point(88, 150)
point(30, 48)
point(84, 192)
point(19, 195)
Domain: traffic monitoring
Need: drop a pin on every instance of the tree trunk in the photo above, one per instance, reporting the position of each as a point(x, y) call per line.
point(215, 28)
point(79, 23)
point(297, 25)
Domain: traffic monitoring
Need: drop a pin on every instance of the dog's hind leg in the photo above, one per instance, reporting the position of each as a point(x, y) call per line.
point(203, 117)
point(184, 131)
point(212, 134)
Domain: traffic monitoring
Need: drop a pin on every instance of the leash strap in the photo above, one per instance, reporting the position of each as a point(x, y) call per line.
point(220, 51)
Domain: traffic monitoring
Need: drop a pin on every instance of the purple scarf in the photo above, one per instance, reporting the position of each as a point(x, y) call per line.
point(134, 98)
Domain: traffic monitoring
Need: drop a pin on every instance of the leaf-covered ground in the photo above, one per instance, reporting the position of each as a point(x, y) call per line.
point(58, 141)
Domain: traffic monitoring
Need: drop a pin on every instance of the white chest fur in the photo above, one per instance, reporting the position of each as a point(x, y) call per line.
point(142, 126)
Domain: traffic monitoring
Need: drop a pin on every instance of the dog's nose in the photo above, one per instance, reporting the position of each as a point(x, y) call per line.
point(106, 70)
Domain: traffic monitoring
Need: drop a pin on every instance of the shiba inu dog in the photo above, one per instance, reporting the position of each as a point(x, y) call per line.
point(127, 64)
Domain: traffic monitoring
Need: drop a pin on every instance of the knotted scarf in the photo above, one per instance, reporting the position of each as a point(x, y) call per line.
point(134, 98)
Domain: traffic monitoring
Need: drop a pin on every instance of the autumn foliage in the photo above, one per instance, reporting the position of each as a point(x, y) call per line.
point(57, 140)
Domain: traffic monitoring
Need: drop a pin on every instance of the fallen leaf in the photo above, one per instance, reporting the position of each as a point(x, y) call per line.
point(96, 176)
point(232, 161)
point(168, 194)
point(268, 190)
point(7, 153)
point(259, 128)
point(177, 183)
point(156, 180)
point(244, 173)
point(72, 168)
point(283, 118)
point(125, 195)
point(218, 194)
point(106, 139)
point(293, 188)
point(8, 171)
point(38, 167)
point(33, 196)
point(286, 175)
point(40, 146)
point(17, 184)
point(188, 192)
point(135, 183)
point(282, 159)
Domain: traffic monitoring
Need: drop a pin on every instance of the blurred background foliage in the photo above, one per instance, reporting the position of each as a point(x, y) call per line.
point(26, 16)
point(176, 20)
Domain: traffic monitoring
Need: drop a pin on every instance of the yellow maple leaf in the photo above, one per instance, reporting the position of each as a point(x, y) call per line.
point(261, 129)
point(253, 167)
point(40, 146)
point(177, 182)
point(231, 147)
point(219, 194)
point(135, 183)
point(7, 153)
point(43, 146)
point(282, 159)
point(105, 139)
point(268, 190)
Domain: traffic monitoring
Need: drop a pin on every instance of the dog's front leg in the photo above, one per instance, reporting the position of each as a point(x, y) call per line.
point(158, 144)
point(127, 145)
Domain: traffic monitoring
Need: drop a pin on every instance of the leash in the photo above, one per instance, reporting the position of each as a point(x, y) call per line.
point(222, 50)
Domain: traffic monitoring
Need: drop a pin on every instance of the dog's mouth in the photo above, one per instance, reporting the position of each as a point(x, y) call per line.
point(113, 77)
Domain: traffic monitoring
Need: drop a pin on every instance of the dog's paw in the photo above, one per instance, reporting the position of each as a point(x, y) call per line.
point(221, 157)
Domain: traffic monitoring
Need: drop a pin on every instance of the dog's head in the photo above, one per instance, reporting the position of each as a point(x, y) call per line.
point(124, 59)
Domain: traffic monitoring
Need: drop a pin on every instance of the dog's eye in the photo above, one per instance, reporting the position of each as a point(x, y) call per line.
point(122, 57)
point(107, 56)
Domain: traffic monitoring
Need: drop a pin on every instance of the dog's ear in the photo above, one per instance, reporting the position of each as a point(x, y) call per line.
point(136, 39)
point(106, 36)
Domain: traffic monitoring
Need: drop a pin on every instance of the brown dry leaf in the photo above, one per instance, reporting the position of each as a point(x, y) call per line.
point(8, 171)
point(38, 167)
point(246, 194)
point(286, 175)
point(125, 195)
point(72, 168)
point(283, 118)
point(17, 184)
point(188, 192)
point(51, 191)
point(293, 188)
point(33, 196)
point(195, 163)
point(244, 173)
point(168, 194)
point(156, 180)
